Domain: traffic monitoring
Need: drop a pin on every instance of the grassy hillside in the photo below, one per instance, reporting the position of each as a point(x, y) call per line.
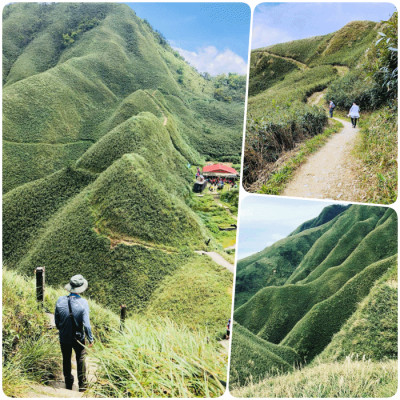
point(189, 365)
point(360, 360)
point(206, 288)
point(70, 77)
point(287, 79)
point(274, 265)
point(371, 332)
point(347, 379)
point(339, 299)
point(253, 358)
point(102, 119)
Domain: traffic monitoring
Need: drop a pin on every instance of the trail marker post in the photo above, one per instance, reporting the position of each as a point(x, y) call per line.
point(123, 316)
point(39, 272)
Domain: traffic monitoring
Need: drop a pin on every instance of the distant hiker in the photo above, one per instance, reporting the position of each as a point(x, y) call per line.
point(198, 172)
point(331, 108)
point(72, 321)
point(228, 330)
point(354, 114)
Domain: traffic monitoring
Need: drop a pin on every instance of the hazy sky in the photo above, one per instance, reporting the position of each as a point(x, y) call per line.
point(212, 37)
point(282, 22)
point(264, 220)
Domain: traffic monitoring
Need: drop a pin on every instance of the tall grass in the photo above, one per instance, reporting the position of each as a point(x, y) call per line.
point(157, 358)
point(30, 350)
point(277, 131)
point(377, 149)
point(350, 378)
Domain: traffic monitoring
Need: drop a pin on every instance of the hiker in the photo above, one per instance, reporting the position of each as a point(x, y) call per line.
point(331, 108)
point(72, 321)
point(354, 114)
point(228, 330)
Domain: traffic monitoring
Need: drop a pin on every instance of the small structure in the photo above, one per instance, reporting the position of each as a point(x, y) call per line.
point(220, 171)
point(200, 184)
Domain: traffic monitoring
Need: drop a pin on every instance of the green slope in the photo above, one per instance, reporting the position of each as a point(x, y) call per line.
point(315, 330)
point(61, 96)
point(371, 332)
point(273, 311)
point(253, 358)
point(198, 293)
point(108, 227)
point(343, 47)
point(276, 264)
point(101, 118)
point(340, 301)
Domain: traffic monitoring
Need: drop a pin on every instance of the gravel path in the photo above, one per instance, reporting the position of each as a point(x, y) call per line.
point(218, 259)
point(330, 172)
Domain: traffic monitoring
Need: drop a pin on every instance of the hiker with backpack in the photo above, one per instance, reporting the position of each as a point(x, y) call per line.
point(72, 321)
point(331, 108)
point(354, 114)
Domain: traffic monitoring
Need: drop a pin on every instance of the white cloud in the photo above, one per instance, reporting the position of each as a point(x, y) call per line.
point(264, 35)
point(210, 59)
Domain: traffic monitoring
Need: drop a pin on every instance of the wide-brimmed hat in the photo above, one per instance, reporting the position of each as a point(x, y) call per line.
point(77, 284)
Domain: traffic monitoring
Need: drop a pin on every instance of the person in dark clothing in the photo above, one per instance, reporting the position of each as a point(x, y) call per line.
point(73, 323)
point(228, 330)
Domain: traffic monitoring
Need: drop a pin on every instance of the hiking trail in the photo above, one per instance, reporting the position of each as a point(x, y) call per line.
point(57, 388)
point(218, 259)
point(330, 172)
point(292, 60)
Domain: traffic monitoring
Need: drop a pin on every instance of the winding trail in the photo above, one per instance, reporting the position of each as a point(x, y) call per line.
point(292, 60)
point(330, 172)
point(218, 259)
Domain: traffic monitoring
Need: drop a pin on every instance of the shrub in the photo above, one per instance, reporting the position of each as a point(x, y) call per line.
point(276, 132)
point(355, 87)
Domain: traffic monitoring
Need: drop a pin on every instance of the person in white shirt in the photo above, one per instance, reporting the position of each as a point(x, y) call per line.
point(354, 114)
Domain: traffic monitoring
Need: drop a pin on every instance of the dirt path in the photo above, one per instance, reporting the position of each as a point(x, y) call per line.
point(316, 98)
point(218, 259)
point(131, 241)
point(292, 60)
point(330, 172)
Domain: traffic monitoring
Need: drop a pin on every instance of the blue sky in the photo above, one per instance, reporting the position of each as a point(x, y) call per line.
point(264, 220)
point(282, 22)
point(214, 37)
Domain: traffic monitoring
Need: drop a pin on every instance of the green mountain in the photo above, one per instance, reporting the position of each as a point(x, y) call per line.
point(101, 118)
point(74, 72)
point(329, 288)
point(274, 265)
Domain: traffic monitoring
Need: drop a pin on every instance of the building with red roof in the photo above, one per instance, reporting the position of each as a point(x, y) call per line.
point(220, 170)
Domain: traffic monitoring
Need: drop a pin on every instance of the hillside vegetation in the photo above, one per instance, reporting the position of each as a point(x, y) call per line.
point(357, 63)
point(190, 364)
point(102, 120)
point(103, 124)
point(326, 292)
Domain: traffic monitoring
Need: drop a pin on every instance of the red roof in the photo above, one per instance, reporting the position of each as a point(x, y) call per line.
point(219, 168)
